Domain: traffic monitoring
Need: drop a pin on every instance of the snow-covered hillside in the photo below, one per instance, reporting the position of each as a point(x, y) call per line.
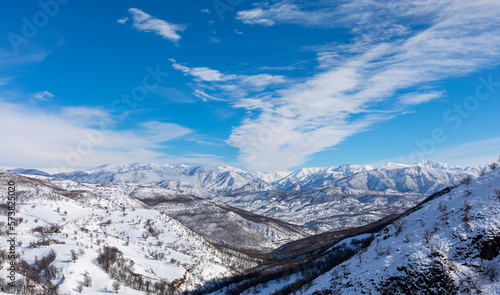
point(216, 221)
point(449, 244)
point(151, 251)
point(324, 209)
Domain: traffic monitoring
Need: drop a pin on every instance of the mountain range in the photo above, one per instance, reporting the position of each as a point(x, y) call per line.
point(320, 199)
point(185, 229)
point(447, 244)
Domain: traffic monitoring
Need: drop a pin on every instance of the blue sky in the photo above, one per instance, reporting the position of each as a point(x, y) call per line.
point(272, 85)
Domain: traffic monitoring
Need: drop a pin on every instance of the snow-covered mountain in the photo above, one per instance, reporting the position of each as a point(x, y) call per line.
point(320, 199)
point(336, 198)
point(416, 179)
point(203, 179)
point(159, 227)
point(272, 177)
point(299, 179)
point(424, 177)
point(448, 244)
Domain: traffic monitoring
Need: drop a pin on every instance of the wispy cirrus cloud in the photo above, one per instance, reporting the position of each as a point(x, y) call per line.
point(453, 38)
point(43, 95)
point(122, 20)
point(12, 64)
point(72, 137)
point(144, 22)
point(228, 85)
point(418, 98)
point(285, 12)
point(202, 73)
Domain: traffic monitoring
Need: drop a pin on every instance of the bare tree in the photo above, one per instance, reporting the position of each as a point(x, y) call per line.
point(399, 227)
point(87, 281)
point(427, 236)
point(467, 206)
point(466, 180)
point(74, 256)
point(116, 286)
point(490, 269)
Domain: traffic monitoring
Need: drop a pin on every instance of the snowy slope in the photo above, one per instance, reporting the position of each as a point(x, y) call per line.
point(154, 247)
point(324, 209)
point(450, 244)
point(216, 221)
point(271, 177)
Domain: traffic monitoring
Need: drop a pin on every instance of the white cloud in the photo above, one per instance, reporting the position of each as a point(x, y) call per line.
point(231, 85)
point(173, 95)
point(202, 73)
point(71, 138)
point(215, 40)
point(205, 97)
point(455, 38)
point(147, 23)
point(85, 117)
point(11, 63)
point(122, 20)
point(207, 11)
point(284, 12)
point(281, 68)
point(418, 98)
point(43, 95)
point(9, 60)
point(263, 80)
point(160, 132)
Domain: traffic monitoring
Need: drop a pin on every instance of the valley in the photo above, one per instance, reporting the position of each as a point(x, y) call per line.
point(183, 229)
